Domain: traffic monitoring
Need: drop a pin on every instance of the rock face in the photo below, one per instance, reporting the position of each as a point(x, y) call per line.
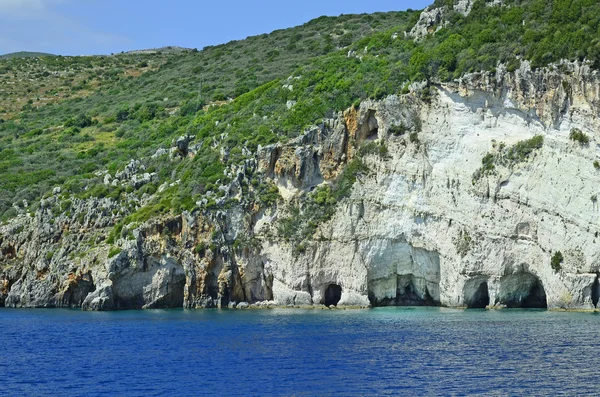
point(417, 229)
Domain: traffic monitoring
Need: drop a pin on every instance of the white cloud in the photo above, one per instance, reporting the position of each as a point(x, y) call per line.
point(19, 4)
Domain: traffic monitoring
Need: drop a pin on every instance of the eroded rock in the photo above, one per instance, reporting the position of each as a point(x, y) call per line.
point(415, 229)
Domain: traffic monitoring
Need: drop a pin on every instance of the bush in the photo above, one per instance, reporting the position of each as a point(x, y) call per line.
point(191, 107)
point(375, 148)
point(521, 151)
point(200, 248)
point(508, 157)
point(268, 194)
point(556, 261)
point(398, 129)
point(81, 121)
point(578, 136)
point(323, 196)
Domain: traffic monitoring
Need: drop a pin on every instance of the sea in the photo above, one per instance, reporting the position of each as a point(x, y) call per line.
point(296, 352)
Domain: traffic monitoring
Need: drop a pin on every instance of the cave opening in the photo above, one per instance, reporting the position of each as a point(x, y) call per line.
point(522, 291)
point(410, 291)
point(536, 298)
point(78, 290)
point(373, 134)
point(224, 298)
point(596, 292)
point(333, 294)
point(173, 297)
point(371, 127)
point(408, 296)
point(481, 298)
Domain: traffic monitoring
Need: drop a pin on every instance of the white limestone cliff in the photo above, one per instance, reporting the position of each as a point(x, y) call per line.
point(417, 228)
point(418, 221)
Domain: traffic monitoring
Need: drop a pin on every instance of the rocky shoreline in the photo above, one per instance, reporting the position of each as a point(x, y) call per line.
point(425, 223)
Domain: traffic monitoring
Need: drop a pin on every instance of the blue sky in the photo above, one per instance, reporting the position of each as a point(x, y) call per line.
point(78, 27)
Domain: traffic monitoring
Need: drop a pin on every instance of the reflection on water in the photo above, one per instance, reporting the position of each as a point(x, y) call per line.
point(386, 351)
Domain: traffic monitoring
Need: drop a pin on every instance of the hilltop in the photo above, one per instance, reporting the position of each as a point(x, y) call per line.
point(25, 54)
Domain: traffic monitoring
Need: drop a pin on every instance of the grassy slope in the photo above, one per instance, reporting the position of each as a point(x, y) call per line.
point(130, 97)
point(30, 83)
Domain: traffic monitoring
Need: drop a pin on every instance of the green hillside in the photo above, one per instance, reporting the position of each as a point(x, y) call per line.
point(237, 96)
point(138, 102)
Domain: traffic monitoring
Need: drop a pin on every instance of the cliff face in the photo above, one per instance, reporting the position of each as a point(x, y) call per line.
point(427, 223)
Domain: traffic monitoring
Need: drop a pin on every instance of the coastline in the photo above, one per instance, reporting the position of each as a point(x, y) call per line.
point(261, 306)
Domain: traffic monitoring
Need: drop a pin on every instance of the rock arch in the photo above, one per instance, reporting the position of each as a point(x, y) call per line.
point(522, 290)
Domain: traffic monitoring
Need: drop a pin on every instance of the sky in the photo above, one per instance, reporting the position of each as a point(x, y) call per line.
point(90, 27)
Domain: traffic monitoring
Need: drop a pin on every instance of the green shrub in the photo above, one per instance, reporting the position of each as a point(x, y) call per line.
point(200, 248)
point(578, 136)
point(323, 196)
point(398, 129)
point(508, 157)
point(300, 248)
point(268, 193)
point(522, 150)
point(556, 261)
point(191, 107)
point(114, 251)
point(375, 148)
point(345, 182)
point(80, 121)
point(115, 232)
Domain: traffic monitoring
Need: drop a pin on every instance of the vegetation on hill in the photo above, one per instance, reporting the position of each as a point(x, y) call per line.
point(29, 83)
point(25, 54)
point(234, 97)
point(541, 31)
point(139, 102)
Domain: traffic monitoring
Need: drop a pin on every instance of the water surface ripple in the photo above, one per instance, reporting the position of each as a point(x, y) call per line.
point(387, 351)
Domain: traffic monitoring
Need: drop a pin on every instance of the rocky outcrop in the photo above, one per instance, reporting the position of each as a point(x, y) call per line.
point(435, 18)
point(422, 225)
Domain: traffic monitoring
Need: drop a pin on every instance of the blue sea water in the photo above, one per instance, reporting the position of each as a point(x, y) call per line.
point(387, 351)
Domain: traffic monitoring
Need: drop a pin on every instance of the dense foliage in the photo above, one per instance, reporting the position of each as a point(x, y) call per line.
point(542, 31)
point(96, 113)
point(64, 121)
